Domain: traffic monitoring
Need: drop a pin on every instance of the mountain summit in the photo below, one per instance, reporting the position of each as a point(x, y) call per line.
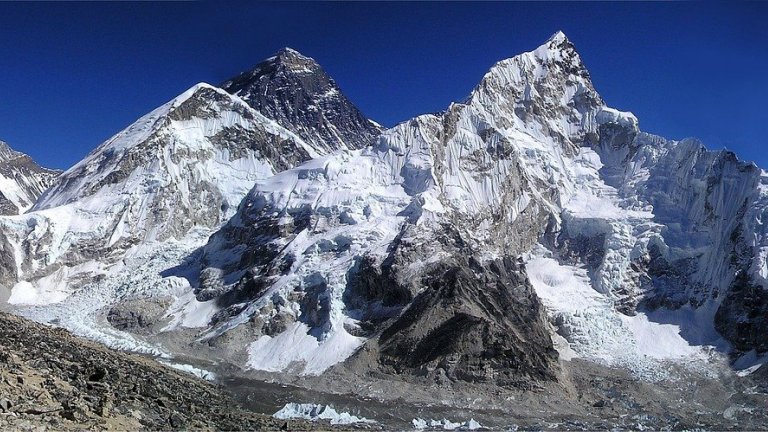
point(296, 92)
point(22, 180)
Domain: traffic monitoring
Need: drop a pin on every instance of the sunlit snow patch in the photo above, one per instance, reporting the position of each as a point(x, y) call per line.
point(296, 345)
point(200, 373)
point(187, 312)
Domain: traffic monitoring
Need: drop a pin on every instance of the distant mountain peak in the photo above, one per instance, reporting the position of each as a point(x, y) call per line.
point(22, 180)
point(559, 48)
point(291, 61)
point(296, 92)
point(558, 38)
point(288, 53)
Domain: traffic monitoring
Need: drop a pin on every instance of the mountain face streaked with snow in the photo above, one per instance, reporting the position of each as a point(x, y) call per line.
point(184, 166)
point(294, 91)
point(356, 248)
point(22, 180)
point(529, 225)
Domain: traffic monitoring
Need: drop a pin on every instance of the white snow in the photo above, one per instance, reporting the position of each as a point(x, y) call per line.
point(611, 115)
point(595, 331)
point(192, 370)
point(445, 424)
point(296, 345)
point(187, 312)
point(315, 412)
point(24, 292)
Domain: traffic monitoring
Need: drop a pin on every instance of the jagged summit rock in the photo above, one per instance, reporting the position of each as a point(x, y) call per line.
point(22, 180)
point(295, 91)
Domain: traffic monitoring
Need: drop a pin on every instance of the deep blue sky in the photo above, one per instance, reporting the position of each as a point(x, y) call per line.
point(75, 74)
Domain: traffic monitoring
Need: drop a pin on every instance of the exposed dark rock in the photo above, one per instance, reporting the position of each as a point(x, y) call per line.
point(138, 315)
point(742, 317)
point(295, 91)
point(478, 322)
point(458, 319)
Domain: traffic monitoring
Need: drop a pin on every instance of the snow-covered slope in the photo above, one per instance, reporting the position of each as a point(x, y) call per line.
point(345, 250)
point(22, 181)
point(184, 166)
point(296, 92)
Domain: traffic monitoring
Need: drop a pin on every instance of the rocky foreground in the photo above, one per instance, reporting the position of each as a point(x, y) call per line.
point(50, 379)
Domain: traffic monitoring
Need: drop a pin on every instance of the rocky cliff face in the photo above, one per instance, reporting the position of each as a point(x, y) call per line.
point(22, 181)
point(295, 91)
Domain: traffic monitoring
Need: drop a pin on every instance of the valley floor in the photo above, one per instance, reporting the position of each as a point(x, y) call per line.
point(590, 397)
point(53, 380)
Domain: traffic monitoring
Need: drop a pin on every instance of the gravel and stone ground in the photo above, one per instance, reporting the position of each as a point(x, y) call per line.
point(50, 380)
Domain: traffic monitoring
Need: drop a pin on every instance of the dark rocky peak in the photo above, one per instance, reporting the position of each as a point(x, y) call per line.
point(7, 154)
point(295, 91)
point(294, 61)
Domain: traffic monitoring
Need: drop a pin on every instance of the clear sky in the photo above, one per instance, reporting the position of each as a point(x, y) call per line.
point(73, 74)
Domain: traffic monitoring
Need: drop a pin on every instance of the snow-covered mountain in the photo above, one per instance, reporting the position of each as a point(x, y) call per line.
point(529, 222)
point(296, 92)
point(637, 247)
point(183, 167)
point(22, 180)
